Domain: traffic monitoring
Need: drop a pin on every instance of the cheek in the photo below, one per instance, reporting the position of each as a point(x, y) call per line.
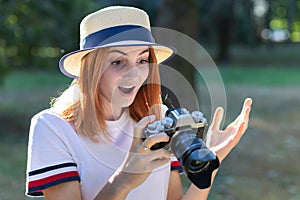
point(144, 73)
point(107, 82)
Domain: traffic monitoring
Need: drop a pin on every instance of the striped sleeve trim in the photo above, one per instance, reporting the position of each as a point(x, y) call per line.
point(175, 165)
point(49, 176)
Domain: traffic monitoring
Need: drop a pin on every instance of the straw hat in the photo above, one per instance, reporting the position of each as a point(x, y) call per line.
point(113, 26)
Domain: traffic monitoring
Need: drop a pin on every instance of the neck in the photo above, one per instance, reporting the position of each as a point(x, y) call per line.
point(113, 115)
point(112, 112)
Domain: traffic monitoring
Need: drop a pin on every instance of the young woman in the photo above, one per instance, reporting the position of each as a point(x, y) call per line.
point(88, 145)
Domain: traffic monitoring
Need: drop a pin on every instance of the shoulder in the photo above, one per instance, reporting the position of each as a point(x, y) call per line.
point(48, 117)
point(47, 114)
point(47, 122)
point(51, 139)
point(51, 158)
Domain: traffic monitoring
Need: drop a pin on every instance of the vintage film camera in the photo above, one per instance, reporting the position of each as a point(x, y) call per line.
point(186, 143)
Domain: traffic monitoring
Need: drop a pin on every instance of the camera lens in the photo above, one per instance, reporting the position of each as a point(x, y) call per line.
point(187, 145)
point(197, 166)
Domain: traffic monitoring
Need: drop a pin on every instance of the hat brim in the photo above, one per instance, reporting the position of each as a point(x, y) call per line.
point(70, 63)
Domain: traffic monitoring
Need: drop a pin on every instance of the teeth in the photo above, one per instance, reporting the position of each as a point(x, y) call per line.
point(127, 87)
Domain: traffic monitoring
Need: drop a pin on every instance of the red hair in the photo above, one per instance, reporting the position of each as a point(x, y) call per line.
point(86, 110)
point(149, 94)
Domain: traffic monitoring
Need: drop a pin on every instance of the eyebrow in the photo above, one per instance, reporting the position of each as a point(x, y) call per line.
point(121, 52)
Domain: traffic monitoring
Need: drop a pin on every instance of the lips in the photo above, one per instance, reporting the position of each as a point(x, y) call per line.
point(126, 89)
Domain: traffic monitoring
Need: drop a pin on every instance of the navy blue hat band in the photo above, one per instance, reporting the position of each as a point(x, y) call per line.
point(117, 34)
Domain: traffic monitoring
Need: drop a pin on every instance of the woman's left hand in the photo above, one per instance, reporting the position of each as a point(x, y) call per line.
point(223, 141)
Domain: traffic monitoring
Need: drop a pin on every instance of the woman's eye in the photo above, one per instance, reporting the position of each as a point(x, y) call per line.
point(117, 62)
point(144, 61)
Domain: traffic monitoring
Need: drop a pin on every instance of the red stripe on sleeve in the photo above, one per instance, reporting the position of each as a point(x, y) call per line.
point(52, 178)
point(175, 163)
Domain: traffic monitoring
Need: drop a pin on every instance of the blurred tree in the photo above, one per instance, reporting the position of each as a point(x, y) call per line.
point(232, 22)
point(182, 16)
point(244, 22)
point(281, 21)
point(222, 21)
point(291, 10)
point(34, 34)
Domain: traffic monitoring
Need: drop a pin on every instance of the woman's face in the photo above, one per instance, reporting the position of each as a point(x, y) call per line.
point(125, 70)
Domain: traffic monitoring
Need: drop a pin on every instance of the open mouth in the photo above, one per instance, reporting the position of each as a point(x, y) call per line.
point(126, 89)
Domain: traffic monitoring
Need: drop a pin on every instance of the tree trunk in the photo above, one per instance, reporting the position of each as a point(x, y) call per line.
point(181, 16)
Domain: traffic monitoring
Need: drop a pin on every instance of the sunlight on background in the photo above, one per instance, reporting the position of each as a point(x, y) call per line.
point(282, 26)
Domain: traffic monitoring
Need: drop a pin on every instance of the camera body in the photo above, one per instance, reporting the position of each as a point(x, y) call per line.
point(176, 121)
point(186, 130)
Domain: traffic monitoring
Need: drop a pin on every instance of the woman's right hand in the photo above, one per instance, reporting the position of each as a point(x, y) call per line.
point(141, 160)
point(139, 163)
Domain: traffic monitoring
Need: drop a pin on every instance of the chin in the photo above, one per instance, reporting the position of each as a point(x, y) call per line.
point(123, 102)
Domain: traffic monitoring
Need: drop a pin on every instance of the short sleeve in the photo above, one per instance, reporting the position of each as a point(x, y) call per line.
point(175, 165)
point(49, 160)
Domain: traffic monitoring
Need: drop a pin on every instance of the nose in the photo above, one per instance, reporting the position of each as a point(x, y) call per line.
point(131, 70)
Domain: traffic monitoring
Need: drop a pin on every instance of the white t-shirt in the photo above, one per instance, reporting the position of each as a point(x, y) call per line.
point(57, 154)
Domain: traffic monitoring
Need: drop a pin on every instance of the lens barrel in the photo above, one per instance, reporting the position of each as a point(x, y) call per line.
point(197, 160)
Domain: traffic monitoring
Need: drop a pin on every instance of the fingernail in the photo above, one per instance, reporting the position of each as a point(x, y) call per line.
point(250, 99)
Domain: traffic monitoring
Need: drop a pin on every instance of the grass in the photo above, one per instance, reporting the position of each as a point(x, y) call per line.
point(261, 76)
point(24, 91)
point(256, 169)
point(24, 94)
point(34, 80)
point(12, 166)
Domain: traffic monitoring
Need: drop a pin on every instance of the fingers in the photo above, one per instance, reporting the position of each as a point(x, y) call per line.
point(139, 130)
point(246, 106)
point(141, 125)
point(224, 148)
point(154, 139)
point(157, 158)
point(243, 122)
point(146, 162)
point(247, 102)
point(140, 146)
point(160, 154)
point(244, 115)
point(217, 119)
point(239, 133)
point(159, 162)
point(154, 158)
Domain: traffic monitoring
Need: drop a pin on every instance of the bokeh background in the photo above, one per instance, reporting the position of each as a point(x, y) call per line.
point(254, 43)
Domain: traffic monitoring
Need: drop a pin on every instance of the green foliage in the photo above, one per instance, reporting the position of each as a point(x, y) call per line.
point(34, 34)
